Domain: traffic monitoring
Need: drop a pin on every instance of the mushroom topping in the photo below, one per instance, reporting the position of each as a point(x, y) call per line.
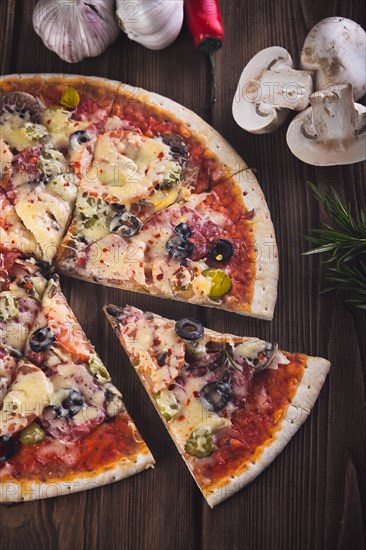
point(21, 103)
point(268, 89)
point(125, 224)
point(331, 131)
point(177, 146)
point(335, 52)
point(179, 246)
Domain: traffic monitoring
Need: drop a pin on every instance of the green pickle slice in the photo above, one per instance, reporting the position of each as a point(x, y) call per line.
point(221, 282)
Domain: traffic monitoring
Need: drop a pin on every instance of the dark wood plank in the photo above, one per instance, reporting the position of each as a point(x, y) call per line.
point(7, 15)
point(313, 495)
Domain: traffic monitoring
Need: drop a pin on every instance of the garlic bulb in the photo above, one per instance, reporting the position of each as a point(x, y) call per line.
point(75, 29)
point(153, 23)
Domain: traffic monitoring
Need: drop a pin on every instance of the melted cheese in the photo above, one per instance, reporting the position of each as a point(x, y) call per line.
point(12, 230)
point(60, 126)
point(113, 258)
point(19, 134)
point(26, 399)
point(144, 340)
point(6, 157)
point(91, 216)
point(8, 306)
point(193, 414)
point(77, 377)
point(46, 217)
point(63, 186)
point(8, 365)
point(130, 165)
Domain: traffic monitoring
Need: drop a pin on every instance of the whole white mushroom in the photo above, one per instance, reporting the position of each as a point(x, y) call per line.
point(331, 131)
point(335, 53)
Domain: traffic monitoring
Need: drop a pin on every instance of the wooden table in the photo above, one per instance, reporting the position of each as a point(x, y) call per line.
point(313, 495)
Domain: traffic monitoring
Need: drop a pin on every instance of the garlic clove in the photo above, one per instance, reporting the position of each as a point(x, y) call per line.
point(154, 24)
point(76, 29)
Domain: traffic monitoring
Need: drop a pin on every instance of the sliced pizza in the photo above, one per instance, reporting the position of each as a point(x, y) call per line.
point(230, 403)
point(22, 284)
point(48, 130)
point(63, 425)
point(168, 208)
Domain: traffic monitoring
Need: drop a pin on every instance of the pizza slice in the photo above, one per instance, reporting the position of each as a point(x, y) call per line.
point(48, 129)
point(22, 283)
point(63, 425)
point(159, 212)
point(230, 403)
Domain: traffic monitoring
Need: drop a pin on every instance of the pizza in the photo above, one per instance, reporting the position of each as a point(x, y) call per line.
point(63, 425)
point(49, 126)
point(230, 403)
point(125, 188)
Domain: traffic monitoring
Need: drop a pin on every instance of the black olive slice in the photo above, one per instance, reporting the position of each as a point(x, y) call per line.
point(179, 248)
point(70, 406)
point(215, 396)
point(46, 269)
point(73, 403)
point(41, 339)
point(113, 311)
point(221, 251)
point(184, 230)
point(8, 447)
point(189, 329)
point(80, 138)
point(53, 411)
point(21, 103)
point(125, 224)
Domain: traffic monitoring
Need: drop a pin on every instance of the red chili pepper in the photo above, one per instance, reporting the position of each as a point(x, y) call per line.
point(205, 25)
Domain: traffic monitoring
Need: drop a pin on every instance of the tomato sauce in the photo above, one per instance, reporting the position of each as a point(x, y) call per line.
point(242, 265)
point(254, 425)
point(105, 445)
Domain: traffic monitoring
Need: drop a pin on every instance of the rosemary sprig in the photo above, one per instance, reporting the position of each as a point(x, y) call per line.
point(342, 242)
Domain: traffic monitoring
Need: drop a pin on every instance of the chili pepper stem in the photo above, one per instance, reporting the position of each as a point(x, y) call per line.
point(213, 83)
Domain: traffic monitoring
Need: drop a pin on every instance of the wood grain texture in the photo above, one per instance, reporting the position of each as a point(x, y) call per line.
point(313, 496)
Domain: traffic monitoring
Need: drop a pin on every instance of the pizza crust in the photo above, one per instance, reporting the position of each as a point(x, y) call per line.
point(315, 373)
point(15, 82)
point(20, 491)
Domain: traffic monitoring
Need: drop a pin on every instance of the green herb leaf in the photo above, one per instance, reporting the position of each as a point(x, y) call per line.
point(342, 244)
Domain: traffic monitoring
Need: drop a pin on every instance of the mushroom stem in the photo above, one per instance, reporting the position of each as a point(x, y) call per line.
point(335, 119)
point(284, 87)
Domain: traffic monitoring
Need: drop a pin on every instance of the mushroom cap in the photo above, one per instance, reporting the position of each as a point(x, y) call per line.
point(311, 151)
point(21, 102)
point(246, 111)
point(335, 51)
